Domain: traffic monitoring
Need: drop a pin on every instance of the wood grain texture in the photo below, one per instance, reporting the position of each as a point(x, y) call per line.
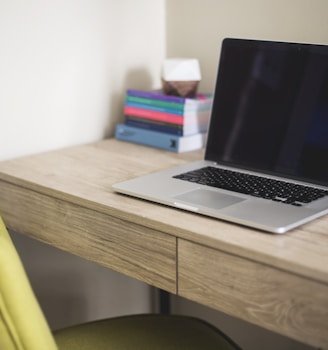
point(65, 198)
point(131, 249)
point(83, 175)
point(282, 302)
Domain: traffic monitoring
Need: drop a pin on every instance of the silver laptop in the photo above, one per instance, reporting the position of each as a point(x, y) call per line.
point(266, 159)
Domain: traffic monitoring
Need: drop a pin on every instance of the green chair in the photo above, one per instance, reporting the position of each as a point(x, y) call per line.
point(24, 327)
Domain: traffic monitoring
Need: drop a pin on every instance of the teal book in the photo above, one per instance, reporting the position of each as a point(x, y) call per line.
point(200, 99)
point(169, 106)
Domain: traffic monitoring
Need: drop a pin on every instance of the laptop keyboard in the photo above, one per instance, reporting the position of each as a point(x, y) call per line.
point(253, 185)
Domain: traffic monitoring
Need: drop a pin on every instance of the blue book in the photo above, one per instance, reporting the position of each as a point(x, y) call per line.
point(160, 140)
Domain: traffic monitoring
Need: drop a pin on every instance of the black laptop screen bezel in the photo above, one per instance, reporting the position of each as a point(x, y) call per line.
point(234, 56)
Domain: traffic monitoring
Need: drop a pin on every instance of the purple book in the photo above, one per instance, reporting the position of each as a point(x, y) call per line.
point(158, 94)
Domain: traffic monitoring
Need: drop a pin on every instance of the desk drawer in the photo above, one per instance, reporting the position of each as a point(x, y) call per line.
point(129, 248)
point(260, 294)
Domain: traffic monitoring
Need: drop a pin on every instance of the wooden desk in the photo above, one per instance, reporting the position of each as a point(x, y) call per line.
point(64, 198)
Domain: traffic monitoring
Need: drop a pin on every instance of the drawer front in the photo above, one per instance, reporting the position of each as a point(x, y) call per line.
point(257, 293)
point(132, 249)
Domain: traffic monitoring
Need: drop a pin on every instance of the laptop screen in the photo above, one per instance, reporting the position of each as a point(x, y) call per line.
point(270, 110)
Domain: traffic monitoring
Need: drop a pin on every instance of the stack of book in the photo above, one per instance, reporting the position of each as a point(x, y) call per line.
point(169, 122)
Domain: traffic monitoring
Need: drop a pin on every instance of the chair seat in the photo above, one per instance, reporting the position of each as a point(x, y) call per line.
point(144, 332)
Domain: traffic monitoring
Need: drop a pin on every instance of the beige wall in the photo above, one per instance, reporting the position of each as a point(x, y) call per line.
point(195, 28)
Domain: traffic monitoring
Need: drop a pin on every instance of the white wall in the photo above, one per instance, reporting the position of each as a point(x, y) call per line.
point(195, 29)
point(64, 66)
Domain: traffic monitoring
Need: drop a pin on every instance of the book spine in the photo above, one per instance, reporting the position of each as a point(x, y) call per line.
point(175, 129)
point(198, 100)
point(155, 108)
point(149, 114)
point(187, 118)
point(154, 127)
point(159, 140)
point(154, 102)
point(157, 122)
point(151, 94)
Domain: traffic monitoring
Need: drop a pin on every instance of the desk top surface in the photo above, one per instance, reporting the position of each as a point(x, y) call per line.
point(84, 175)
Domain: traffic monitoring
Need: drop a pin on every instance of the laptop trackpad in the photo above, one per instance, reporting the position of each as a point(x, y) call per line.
point(208, 198)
